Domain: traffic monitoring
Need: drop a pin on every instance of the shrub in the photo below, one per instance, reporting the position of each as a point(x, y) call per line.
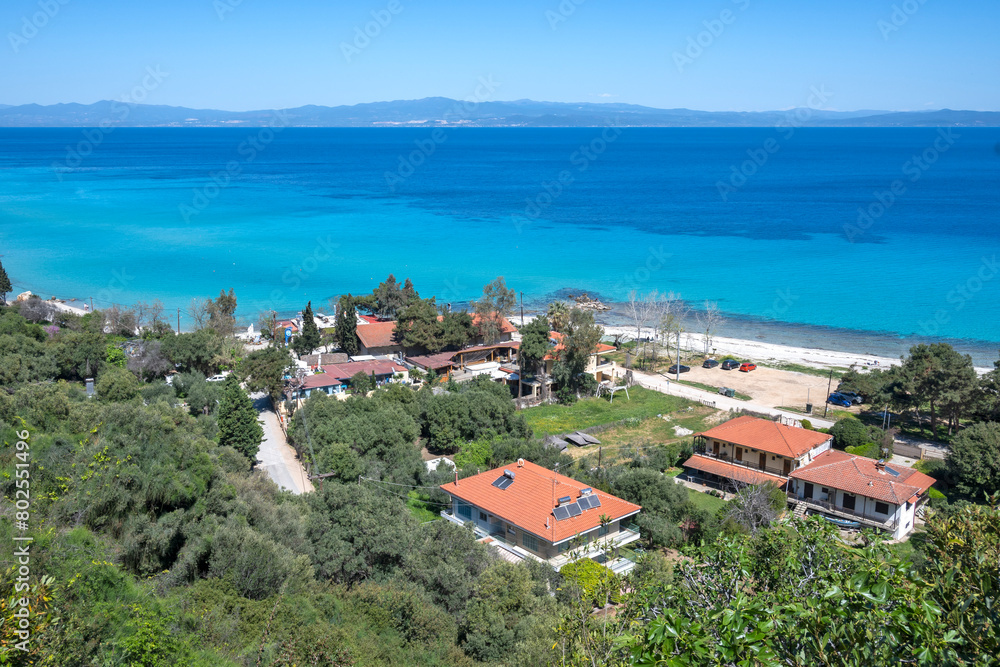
point(849, 432)
point(806, 424)
point(596, 584)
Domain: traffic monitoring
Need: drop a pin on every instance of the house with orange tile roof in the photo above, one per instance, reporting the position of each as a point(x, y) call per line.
point(750, 450)
point(378, 338)
point(598, 364)
point(861, 491)
point(528, 511)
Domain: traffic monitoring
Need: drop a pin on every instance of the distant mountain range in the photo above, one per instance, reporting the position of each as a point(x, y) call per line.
point(441, 111)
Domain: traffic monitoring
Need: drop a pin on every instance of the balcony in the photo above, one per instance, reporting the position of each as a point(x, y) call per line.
point(606, 551)
point(826, 507)
point(724, 456)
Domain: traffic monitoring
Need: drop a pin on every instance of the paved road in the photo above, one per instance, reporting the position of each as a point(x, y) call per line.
point(664, 385)
point(276, 457)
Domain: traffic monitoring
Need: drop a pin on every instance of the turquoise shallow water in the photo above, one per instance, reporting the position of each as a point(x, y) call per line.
point(317, 212)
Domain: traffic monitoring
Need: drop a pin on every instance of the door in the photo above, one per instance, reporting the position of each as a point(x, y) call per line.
point(848, 501)
point(763, 460)
point(715, 448)
point(808, 490)
point(739, 453)
point(788, 467)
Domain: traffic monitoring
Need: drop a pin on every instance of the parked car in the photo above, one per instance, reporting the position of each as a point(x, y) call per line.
point(673, 369)
point(851, 396)
point(730, 364)
point(747, 366)
point(838, 399)
point(216, 378)
point(710, 363)
point(726, 391)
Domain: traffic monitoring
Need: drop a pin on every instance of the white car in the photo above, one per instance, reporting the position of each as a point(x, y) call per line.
point(216, 378)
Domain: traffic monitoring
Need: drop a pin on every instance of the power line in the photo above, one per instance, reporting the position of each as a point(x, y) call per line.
point(410, 486)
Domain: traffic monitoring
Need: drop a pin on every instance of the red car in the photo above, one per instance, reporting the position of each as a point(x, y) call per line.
point(746, 367)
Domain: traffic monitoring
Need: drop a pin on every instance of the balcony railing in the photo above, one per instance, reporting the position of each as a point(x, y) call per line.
point(889, 523)
point(750, 465)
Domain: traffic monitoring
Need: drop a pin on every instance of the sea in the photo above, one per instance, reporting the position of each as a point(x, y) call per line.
point(864, 239)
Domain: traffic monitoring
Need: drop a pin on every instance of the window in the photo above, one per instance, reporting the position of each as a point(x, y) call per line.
point(881, 508)
point(464, 510)
point(529, 542)
point(604, 530)
point(482, 516)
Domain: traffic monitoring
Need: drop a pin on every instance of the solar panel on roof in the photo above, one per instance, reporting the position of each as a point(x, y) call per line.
point(503, 482)
point(561, 513)
point(574, 509)
point(594, 502)
point(584, 503)
point(892, 472)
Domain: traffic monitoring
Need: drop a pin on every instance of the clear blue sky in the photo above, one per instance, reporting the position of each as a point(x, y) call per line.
point(268, 54)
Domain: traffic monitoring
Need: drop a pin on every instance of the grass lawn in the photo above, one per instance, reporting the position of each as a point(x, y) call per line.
point(647, 433)
point(705, 501)
point(708, 387)
point(420, 509)
point(642, 403)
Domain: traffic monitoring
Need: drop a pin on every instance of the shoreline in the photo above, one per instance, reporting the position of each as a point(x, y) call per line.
point(759, 340)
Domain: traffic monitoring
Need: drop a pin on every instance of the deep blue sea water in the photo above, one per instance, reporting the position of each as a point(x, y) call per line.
point(304, 214)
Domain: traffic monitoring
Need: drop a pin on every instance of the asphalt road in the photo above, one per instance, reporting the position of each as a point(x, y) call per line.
point(275, 456)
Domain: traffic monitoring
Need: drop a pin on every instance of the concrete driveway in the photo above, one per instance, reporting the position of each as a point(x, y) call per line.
point(275, 456)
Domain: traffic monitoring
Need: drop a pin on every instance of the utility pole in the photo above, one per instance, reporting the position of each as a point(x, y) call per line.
point(178, 321)
point(522, 309)
point(91, 304)
point(829, 385)
point(678, 354)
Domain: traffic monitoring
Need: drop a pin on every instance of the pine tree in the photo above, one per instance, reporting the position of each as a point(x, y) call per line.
point(309, 339)
point(5, 285)
point(238, 425)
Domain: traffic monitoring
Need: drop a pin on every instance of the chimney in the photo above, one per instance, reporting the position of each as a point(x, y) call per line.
point(880, 465)
point(456, 477)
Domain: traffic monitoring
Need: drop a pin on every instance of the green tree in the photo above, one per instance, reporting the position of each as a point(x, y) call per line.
point(580, 342)
point(308, 339)
point(265, 370)
point(116, 385)
point(198, 351)
point(390, 298)
point(850, 432)
point(535, 344)
point(114, 356)
point(417, 326)
point(496, 304)
point(358, 533)
point(558, 315)
point(346, 328)
point(221, 313)
point(361, 383)
point(5, 285)
point(456, 329)
point(974, 460)
point(238, 425)
point(939, 376)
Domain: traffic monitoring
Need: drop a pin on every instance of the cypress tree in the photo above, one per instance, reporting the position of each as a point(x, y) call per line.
point(238, 425)
point(346, 331)
point(309, 339)
point(5, 285)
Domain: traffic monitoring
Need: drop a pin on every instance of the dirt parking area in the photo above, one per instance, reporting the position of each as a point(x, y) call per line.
point(770, 386)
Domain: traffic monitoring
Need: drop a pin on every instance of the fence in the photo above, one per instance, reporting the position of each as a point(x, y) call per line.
point(907, 450)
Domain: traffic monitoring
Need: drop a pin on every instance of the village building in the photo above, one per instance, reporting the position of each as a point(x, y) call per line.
point(603, 368)
point(749, 450)
point(855, 491)
point(336, 378)
point(527, 511)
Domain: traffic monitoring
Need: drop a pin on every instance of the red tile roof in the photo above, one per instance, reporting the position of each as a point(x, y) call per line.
point(767, 436)
point(377, 334)
point(334, 374)
point(528, 502)
point(505, 325)
point(286, 324)
point(860, 476)
point(559, 346)
point(435, 361)
point(732, 471)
